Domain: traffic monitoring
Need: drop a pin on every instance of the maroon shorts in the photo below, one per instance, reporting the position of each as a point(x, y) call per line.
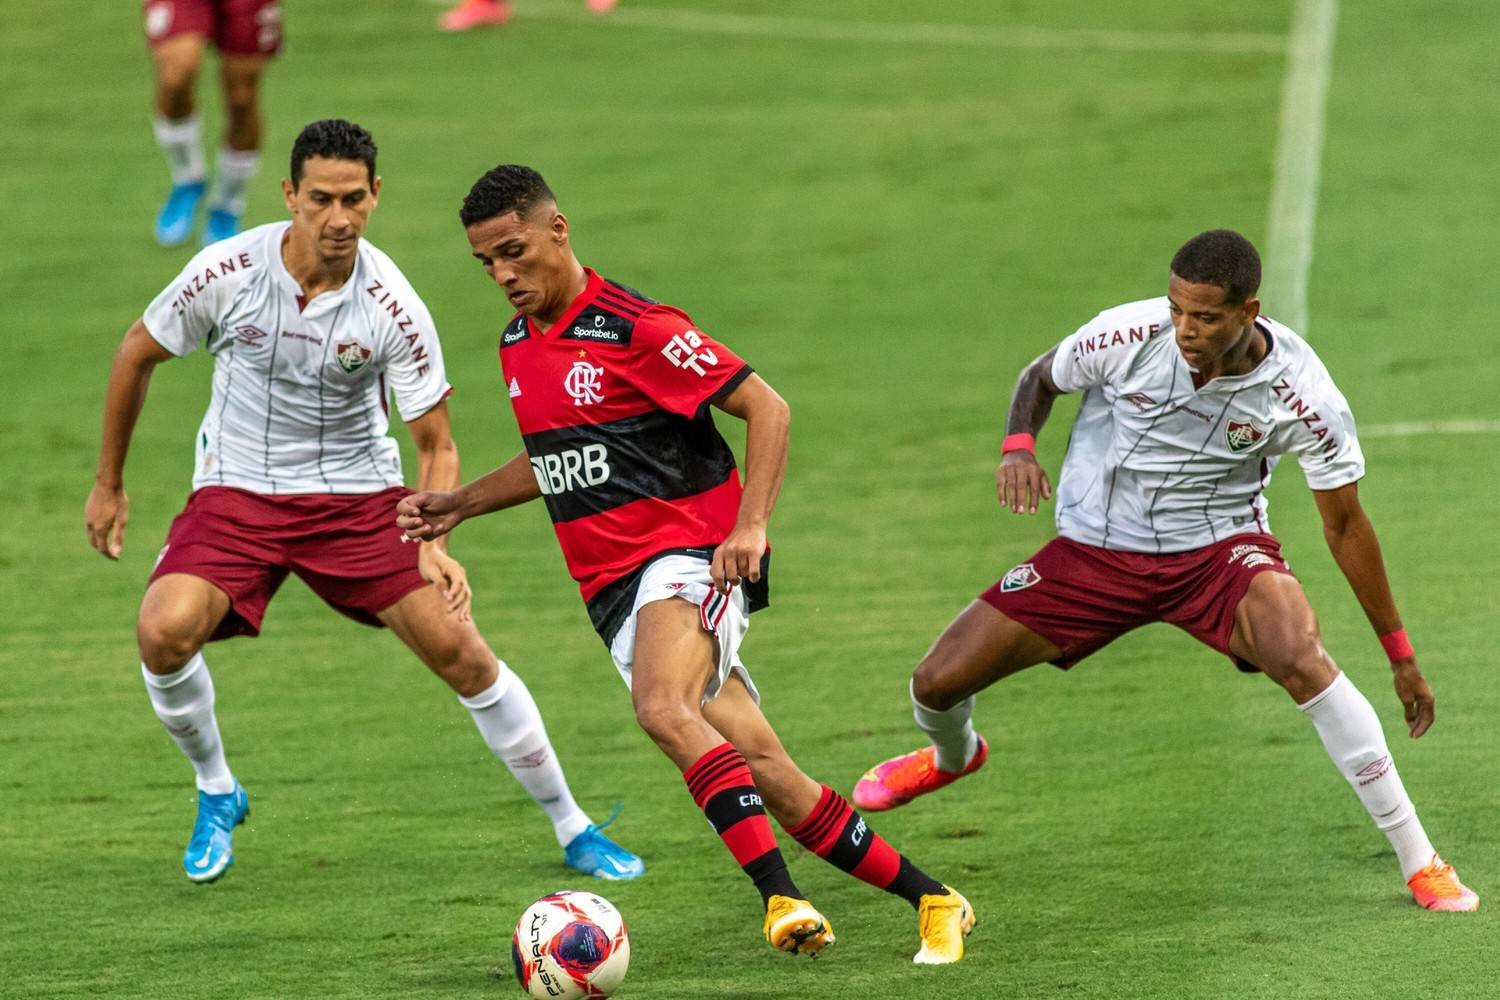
point(346, 547)
point(236, 27)
point(1080, 597)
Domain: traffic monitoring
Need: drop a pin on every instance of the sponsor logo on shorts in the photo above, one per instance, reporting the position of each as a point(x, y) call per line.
point(1240, 436)
point(1374, 771)
point(351, 355)
point(1250, 556)
point(158, 19)
point(1020, 578)
point(583, 383)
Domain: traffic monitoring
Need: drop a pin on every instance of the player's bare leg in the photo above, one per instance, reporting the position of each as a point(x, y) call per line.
point(239, 156)
point(510, 723)
point(822, 821)
point(673, 664)
point(179, 134)
point(178, 615)
point(1276, 629)
point(980, 647)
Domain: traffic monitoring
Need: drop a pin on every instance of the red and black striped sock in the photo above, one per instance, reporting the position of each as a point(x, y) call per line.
point(721, 784)
point(839, 835)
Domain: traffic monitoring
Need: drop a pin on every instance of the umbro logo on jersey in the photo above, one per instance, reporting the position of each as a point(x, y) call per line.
point(351, 355)
point(249, 336)
point(1241, 436)
point(1020, 578)
point(515, 387)
point(583, 383)
point(1142, 401)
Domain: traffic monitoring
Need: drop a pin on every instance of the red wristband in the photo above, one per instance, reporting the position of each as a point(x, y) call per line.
point(1397, 645)
point(1018, 442)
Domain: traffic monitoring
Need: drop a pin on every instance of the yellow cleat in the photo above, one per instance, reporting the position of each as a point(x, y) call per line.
point(793, 925)
point(943, 922)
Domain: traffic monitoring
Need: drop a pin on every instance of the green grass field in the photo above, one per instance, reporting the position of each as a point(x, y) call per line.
point(888, 232)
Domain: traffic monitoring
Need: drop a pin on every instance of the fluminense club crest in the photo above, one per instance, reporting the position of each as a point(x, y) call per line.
point(351, 355)
point(1020, 578)
point(1241, 436)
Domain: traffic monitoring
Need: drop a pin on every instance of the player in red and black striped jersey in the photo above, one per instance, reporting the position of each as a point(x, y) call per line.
point(614, 396)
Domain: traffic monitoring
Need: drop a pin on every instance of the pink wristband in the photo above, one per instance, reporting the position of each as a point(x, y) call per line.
point(1018, 442)
point(1397, 645)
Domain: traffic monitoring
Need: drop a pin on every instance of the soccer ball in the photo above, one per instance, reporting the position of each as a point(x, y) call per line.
point(570, 945)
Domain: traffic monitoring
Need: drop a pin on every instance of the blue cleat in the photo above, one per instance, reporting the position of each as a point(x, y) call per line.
point(174, 224)
point(211, 850)
point(592, 853)
point(221, 225)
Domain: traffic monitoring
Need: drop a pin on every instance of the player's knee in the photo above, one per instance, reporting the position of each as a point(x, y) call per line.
point(930, 689)
point(167, 639)
point(664, 718)
point(174, 88)
point(467, 667)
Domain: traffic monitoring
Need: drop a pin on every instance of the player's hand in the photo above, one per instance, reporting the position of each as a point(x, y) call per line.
point(1021, 483)
point(428, 515)
point(447, 573)
point(104, 515)
point(1416, 696)
point(738, 558)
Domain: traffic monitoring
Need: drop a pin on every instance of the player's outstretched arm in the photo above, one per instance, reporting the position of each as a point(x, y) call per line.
point(431, 514)
point(1020, 483)
point(768, 421)
point(1351, 539)
point(108, 508)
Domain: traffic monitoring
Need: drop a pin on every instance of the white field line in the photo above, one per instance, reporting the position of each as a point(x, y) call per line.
point(1299, 153)
point(952, 35)
point(1422, 428)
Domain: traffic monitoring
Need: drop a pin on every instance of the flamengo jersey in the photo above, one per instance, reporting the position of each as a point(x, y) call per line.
point(1155, 465)
point(613, 405)
point(299, 395)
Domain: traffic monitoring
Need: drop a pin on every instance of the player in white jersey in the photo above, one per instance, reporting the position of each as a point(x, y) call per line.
point(1189, 400)
point(310, 328)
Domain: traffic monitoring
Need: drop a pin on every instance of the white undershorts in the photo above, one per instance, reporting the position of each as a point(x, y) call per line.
point(725, 615)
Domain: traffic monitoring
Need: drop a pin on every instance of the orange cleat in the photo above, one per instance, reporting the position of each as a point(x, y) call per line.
point(899, 780)
point(1437, 887)
point(601, 6)
point(475, 14)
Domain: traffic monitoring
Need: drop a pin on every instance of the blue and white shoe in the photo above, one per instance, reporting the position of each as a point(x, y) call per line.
point(211, 850)
point(174, 223)
point(592, 853)
point(221, 225)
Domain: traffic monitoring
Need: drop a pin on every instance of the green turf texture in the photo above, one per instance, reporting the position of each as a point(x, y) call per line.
point(887, 232)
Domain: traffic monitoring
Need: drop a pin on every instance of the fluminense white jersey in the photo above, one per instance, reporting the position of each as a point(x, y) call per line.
point(1155, 465)
point(299, 394)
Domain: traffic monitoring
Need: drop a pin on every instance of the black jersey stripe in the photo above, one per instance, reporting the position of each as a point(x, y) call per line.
point(591, 468)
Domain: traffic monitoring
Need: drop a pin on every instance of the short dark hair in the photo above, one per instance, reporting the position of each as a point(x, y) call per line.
point(1220, 257)
point(502, 190)
point(333, 139)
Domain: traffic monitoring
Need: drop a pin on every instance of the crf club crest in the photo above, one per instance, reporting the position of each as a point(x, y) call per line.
point(1020, 578)
point(1241, 436)
point(351, 355)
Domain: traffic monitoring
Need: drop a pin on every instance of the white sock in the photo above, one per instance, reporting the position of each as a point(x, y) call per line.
point(508, 720)
point(232, 175)
point(184, 702)
point(181, 141)
point(951, 732)
point(1352, 736)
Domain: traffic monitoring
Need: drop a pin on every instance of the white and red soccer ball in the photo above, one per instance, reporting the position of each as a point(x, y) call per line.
point(569, 946)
